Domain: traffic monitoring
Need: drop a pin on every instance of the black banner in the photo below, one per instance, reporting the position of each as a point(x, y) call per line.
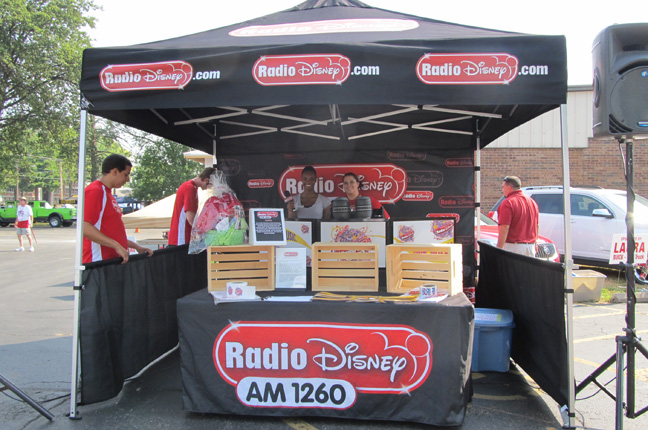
point(404, 362)
point(128, 315)
point(533, 290)
point(411, 182)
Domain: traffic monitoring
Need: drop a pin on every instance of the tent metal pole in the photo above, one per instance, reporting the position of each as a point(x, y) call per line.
point(477, 192)
point(78, 270)
point(214, 160)
point(569, 264)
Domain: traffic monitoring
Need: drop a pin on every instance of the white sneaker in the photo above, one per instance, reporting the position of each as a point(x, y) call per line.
point(20, 249)
point(31, 249)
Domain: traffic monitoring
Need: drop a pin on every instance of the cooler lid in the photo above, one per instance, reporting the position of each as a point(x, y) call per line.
point(493, 317)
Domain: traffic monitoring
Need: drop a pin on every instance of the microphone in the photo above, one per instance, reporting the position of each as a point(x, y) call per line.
point(289, 197)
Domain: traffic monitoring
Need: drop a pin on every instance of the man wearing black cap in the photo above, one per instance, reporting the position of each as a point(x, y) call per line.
point(517, 217)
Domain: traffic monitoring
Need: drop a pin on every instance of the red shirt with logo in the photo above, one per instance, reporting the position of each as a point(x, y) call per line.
point(520, 213)
point(186, 201)
point(102, 211)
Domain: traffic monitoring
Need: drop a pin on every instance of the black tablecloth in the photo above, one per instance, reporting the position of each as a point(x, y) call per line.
point(378, 361)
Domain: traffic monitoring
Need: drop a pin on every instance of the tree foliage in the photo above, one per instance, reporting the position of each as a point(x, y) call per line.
point(41, 44)
point(160, 169)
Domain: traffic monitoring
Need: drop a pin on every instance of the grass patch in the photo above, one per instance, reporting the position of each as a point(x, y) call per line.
point(608, 293)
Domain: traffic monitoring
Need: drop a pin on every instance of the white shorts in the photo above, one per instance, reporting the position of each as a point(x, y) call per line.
point(22, 231)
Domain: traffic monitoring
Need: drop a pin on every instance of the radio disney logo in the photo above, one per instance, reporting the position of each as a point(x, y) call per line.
point(260, 183)
point(467, 69)
point(384, 182)
point(457, 202)
point(459, 162)
point(424, 179)
point(267, 214)
point(321, 365)
point(315, 69)
point(169, 75)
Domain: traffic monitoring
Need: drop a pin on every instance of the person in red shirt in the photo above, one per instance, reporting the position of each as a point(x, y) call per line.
point(186, 206)
point(517, 217)
point(104, 234)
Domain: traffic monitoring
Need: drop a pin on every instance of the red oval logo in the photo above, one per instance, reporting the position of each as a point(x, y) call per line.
point(467, 69)
point(459, 162)
point(169, 75)
point(260, 183)
point(315, 69)
point(388, 359)
point(383, 182)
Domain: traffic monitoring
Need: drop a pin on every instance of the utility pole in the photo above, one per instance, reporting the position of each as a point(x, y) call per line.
point(61, 179)
point(17, 182)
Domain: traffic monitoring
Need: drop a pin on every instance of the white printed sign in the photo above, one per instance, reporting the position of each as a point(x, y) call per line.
point(619, 252)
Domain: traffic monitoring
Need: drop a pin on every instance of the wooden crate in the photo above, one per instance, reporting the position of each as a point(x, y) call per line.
point(345, 267)
point(409, 266)
point(254, 264)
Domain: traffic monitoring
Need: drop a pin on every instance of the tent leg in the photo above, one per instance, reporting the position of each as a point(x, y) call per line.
point(214, 159)
point(477, 198)
point(76, 368)
point(569, 264)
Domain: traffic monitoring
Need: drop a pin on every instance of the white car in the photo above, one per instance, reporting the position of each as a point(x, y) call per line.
point(597, 214)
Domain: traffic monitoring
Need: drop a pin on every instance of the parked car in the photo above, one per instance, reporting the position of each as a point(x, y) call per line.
point(129, 204)
point(489, 233)
point(597, 214)
point(43, 212)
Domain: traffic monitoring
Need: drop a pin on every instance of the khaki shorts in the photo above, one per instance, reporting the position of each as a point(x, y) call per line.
point(527, 249)
point(22, 231)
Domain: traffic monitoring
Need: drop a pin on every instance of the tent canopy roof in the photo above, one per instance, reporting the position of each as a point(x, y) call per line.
point(336, 70)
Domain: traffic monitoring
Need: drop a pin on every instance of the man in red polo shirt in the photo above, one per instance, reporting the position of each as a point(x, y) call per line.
point(104, 235)
point(517, 217)
point(186, 206)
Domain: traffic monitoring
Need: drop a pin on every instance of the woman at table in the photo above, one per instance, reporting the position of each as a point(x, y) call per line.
point(351, 186)
point(309, 204)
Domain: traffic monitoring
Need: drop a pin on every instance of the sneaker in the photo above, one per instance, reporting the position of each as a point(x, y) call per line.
point(31, 249)
point(20, 249)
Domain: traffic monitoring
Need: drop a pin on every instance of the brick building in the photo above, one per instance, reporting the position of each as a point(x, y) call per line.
point(533, 152)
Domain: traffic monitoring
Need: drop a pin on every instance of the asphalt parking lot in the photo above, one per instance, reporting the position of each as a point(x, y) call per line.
point(36, 321)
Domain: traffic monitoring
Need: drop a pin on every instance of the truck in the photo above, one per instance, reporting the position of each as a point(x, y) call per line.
point(43, 212)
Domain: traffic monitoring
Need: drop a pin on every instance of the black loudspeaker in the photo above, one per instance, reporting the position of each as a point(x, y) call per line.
point(620, 57)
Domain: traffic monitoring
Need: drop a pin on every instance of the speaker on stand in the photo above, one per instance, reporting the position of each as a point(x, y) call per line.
point(620, 59)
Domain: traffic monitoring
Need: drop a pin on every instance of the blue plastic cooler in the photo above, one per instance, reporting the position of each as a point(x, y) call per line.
point(492, 340)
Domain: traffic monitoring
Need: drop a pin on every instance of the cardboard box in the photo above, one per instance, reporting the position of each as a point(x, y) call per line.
point(345, 266)
point(410, 266)
point(254, 264)
point(588, 285)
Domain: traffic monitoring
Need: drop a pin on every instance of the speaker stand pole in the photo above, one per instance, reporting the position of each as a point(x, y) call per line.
point(8, 385)
point(629, 343)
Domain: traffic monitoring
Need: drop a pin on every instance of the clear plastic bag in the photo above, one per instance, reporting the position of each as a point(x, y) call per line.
point(221, 220)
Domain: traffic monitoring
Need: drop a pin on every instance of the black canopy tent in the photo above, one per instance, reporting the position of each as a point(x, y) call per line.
point(219, 78)
point(329, 77)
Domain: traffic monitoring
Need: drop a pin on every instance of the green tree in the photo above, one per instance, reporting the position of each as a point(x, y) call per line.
point(41, 44)
point(160, 168)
